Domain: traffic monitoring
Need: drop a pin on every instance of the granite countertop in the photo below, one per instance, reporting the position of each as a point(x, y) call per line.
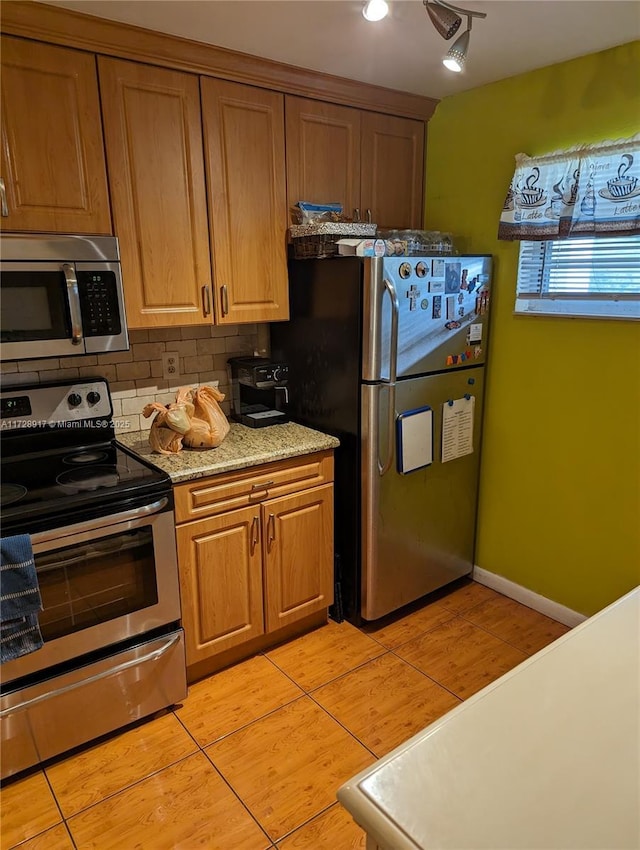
point(242, 447)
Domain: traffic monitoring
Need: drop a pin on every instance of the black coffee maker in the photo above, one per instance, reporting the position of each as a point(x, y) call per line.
point(260, 392)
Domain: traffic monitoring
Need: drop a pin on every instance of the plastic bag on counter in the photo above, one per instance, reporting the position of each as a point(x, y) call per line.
point(164, 438)
point(209, 425)
point(195, 420)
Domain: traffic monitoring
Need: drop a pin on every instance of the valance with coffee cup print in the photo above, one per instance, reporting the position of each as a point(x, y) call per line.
point(589, 189)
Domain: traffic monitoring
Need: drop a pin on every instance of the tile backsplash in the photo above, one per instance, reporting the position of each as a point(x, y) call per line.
point(135, 376)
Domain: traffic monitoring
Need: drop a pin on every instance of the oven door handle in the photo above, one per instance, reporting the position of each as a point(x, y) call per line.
point(112, 671)
point(57, 534)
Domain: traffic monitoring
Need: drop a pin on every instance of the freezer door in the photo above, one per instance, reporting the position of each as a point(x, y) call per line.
point(443, 312)
point(418, 528)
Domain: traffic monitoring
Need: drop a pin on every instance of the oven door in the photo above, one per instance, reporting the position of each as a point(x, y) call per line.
point(103, 581)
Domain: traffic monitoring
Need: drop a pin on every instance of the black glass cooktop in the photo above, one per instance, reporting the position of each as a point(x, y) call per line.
point(61, 487)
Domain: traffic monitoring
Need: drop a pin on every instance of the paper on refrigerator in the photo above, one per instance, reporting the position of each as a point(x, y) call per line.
point(457, 428)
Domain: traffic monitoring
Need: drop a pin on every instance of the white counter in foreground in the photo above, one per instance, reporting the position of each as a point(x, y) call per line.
point(548, 756)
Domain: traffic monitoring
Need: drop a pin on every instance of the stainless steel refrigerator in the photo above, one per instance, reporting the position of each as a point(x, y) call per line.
point(388, 355)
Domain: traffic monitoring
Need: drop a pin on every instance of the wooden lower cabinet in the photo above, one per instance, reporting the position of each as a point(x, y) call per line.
point(298, 555)
point(255, 570)
point(220, 582)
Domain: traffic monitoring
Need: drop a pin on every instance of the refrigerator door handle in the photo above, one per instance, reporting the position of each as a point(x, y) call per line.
point(385, 465)
point(393, 340)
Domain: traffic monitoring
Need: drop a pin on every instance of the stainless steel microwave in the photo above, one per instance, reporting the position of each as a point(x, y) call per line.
point(60, 295)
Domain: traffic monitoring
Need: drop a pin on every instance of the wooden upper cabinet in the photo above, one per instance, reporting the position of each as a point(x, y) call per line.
point(153, 138)
point(323, 153)
point(363, 160)
point(52, 151)
point(245, 165)
point(392, 170)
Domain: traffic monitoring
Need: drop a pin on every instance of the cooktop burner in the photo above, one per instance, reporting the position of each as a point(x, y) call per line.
point(10, 493)
point(88, 478)
point(82, 458)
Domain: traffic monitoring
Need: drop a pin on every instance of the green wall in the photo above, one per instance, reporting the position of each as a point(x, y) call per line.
point(559, 508)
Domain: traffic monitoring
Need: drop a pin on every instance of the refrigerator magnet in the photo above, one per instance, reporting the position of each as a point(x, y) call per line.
point(414, 439)
point(437, 268)
point(474, 334)
point(452, 278)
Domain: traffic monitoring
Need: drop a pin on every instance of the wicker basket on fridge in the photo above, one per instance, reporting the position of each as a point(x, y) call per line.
point(317, 241)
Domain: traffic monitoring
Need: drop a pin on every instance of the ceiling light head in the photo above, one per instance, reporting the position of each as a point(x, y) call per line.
point(457, 53)
point(375, 10)
point(446, 22)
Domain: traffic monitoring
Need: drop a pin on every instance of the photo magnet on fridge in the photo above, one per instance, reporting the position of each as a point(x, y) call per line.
point(452, 278)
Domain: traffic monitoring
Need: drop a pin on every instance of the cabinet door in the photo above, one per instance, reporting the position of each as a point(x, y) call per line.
point(298, 555)
point(392, 170)
point(220, 582)
point(323, 153)
point(244, 154)
point(153, 137)
point(52, 150)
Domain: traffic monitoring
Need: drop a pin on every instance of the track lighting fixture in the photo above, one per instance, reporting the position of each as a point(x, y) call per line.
point(446, 18)
point(457, 53)
point(375, 10)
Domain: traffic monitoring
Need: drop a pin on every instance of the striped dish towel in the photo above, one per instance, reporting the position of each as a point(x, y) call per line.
point(19, 599)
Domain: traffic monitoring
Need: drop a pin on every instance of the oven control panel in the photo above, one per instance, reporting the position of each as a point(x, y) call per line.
point(55, 406)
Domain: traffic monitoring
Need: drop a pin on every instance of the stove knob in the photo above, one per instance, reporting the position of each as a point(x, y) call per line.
point(74, 400)
point(93, 397)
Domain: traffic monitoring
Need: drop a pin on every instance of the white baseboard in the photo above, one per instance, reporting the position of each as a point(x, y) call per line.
point(527, 597)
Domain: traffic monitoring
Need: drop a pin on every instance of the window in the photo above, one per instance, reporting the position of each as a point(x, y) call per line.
point(589, 277)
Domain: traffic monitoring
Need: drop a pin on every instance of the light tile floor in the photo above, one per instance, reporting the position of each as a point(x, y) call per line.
point(253, 757)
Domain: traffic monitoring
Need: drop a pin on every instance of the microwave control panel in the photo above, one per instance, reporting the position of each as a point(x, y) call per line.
point(99, 303)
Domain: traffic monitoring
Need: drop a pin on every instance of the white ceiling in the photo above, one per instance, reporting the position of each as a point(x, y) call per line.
point(403, 51)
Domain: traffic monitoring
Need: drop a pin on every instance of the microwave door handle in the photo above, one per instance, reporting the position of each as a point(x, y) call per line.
point(73, 297)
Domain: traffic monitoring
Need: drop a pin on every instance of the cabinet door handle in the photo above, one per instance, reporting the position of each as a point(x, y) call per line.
point(369, 219)
point(255, 536)
point(206, 301)
point(271, 530)
point(262, 486)
point(3, 198)
point(224, 299)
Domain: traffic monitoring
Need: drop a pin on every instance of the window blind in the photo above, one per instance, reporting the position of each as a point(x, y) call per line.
point(598, 273)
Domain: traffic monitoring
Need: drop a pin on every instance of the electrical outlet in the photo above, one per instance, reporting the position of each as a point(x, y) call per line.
point(170, 365)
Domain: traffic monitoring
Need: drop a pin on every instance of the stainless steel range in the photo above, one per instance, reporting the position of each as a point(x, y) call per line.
point(101, 524)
